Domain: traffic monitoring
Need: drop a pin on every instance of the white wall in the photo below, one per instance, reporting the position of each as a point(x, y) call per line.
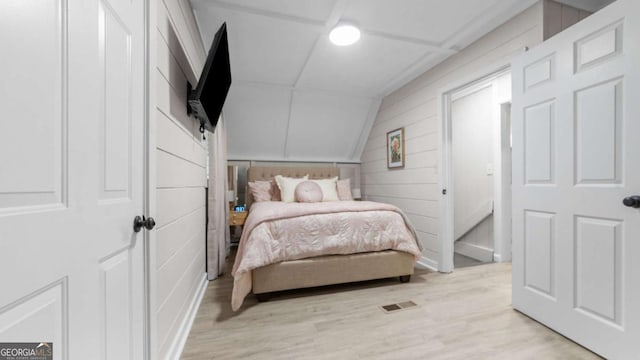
point(178, 249)
point(472, 152)
point(478, 242)
point(414, 107)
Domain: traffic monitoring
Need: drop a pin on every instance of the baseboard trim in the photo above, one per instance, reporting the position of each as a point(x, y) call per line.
point(474, 251)
point(426, 263)
point(183, 332)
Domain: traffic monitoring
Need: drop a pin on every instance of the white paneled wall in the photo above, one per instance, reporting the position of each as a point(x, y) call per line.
point(179, 247)
point(415, 107)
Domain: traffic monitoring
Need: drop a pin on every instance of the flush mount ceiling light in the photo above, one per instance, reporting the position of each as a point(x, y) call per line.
point(344, 33)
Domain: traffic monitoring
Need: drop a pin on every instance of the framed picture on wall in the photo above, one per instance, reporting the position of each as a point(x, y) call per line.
point(395, 149)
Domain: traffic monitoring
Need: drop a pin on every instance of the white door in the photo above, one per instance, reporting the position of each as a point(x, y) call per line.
point(71, 176)
point(576, 123)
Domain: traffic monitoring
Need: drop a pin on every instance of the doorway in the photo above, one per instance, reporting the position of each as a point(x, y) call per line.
point(476, 171)
point(75, 171)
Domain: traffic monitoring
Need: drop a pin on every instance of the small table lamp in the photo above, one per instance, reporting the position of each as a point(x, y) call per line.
point(355, 193)
point(231, 197)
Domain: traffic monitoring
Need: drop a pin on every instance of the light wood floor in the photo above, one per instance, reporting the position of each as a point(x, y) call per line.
point(460, 261)
point(464, 315)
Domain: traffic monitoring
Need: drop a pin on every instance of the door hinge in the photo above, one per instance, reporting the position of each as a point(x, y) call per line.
point(444, 191)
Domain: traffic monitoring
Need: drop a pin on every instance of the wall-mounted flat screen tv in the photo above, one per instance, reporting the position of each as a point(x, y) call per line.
point(207, 99)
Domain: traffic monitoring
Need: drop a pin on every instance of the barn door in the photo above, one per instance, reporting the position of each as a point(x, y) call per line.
point(71, 176)
point(576, 122)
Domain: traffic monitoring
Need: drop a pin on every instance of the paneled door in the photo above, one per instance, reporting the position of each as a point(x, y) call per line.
point(71, 176)
point(576, 157)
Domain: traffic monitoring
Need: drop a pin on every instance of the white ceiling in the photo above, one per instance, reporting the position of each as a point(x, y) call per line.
point(297, 97)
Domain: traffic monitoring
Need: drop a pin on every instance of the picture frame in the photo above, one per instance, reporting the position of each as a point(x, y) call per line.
point(395, 149)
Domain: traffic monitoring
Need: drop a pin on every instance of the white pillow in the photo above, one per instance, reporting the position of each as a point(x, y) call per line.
point(287, 187)
point(329, 188)
point(344, 190)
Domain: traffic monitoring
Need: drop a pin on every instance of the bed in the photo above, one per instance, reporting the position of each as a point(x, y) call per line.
point(395, 258)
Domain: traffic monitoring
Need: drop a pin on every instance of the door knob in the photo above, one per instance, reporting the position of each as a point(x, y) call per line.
point(140, 222)
point(632, 201)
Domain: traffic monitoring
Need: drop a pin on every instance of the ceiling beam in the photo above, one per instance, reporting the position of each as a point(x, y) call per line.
point(260, 84)
point(429, 45)
point(287, 134)
point(334, 17)
point(359, 145)
point(424, 63)
point(262, 12)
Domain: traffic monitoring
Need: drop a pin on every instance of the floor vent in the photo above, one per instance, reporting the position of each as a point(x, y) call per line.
point(399, 306)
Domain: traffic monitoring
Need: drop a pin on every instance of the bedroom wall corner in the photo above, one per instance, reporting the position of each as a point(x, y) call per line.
point(415, 108)
point(177, 275)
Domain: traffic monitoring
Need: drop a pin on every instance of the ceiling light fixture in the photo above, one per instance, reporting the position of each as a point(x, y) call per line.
point(344, 33)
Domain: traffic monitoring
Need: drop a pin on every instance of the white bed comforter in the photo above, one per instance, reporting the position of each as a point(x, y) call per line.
point(277, 231)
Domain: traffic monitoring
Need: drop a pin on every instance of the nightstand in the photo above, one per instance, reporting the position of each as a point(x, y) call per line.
point(236, 220)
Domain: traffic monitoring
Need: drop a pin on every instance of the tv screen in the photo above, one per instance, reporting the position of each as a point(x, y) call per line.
point(207, 99)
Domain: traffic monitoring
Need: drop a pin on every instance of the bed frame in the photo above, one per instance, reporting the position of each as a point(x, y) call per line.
point(322, 270)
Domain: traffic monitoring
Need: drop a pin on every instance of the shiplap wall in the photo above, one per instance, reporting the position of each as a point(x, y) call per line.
point(179, 246)
point(414, 107)
point(558, 17)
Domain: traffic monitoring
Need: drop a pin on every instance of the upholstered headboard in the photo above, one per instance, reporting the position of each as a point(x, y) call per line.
point(265, 173)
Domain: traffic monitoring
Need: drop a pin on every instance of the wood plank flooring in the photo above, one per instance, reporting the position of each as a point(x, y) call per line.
point(463, 315)
point(460, 261)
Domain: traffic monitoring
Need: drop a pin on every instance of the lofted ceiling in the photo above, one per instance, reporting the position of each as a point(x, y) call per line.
point(297, 97)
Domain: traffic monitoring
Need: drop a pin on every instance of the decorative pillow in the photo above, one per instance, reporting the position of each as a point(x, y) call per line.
point(287, 187)
point(275, 191)
point(344, 190)
point(329, 189)
point(260, 190)
point(308, 192)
